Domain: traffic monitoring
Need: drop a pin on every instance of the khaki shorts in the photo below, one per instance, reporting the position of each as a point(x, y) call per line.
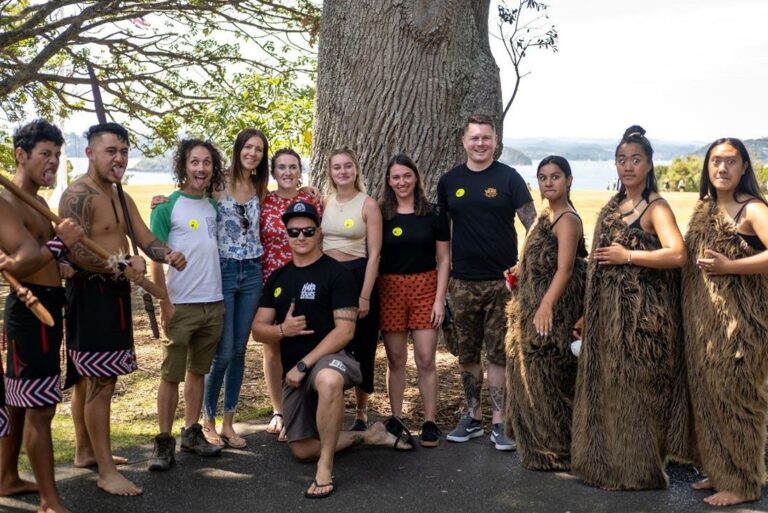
point(193, 332)
point(300, 404)
point(479, 318)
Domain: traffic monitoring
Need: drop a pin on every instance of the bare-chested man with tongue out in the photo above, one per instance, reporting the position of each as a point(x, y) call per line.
point(99, 328)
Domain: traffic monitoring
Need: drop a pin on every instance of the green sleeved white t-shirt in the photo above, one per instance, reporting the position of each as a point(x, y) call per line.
point(188, 224)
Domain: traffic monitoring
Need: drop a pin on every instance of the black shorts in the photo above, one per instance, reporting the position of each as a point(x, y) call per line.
point(366, 338)
point(99, 326)
point(33, 376)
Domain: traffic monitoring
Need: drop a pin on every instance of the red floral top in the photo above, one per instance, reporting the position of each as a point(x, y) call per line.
point(272, 230)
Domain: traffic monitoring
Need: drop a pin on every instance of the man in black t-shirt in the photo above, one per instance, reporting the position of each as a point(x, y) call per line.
point(309, 308)
point(482, 197)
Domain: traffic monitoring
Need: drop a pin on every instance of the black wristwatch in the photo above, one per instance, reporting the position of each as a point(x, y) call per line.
point(301, 366)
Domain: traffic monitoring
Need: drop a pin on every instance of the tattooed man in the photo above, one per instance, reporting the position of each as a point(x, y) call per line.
point(481, 198)
point(32, 379)
point(308, 309)
point(99, 328)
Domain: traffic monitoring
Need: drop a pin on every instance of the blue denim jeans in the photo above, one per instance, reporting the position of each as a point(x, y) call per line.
point(241, 285)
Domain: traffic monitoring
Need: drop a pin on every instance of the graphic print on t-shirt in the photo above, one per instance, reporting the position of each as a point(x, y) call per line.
point(308, 291)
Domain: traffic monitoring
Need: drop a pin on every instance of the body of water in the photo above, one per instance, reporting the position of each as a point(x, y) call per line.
point(588, 175)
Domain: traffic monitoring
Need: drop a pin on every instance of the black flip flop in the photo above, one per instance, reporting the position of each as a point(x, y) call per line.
point(320, 495)
point(402, 435)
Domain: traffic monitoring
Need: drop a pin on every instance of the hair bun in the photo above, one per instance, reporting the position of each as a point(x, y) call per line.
point(634, 131)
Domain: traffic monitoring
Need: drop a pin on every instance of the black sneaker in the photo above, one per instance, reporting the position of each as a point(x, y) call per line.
point(193, 440)
point(430, 434)
point(163, 454)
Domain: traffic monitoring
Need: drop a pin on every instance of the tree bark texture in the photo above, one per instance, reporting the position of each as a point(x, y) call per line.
point(401, 76)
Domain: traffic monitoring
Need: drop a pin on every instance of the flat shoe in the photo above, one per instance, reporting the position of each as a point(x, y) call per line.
point(320, 495)
point(234, 442)
point(212, 437)
point(275, 424)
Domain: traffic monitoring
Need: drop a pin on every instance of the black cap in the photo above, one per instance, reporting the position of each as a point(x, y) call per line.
point(301, 209)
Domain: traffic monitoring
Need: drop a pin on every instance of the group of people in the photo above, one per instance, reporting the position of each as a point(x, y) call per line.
point(672, 363)
point(315, 279)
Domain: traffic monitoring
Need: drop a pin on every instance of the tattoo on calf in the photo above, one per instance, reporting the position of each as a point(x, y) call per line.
point(157, 250)
point(345, 314)
point(497, 398)
point(472, 386)
point(94, 386)
point(527, 215)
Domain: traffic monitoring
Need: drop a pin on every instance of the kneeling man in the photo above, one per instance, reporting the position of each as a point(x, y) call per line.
point(309, 308)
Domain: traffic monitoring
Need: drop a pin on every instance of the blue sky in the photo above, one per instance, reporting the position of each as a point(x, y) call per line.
point(684, 69)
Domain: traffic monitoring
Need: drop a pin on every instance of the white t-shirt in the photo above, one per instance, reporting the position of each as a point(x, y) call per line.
point(188, 224)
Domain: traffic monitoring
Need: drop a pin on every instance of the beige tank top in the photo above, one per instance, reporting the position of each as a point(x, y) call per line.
point(343, 226)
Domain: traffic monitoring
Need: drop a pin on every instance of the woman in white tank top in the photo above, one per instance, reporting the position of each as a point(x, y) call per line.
point(352, 235)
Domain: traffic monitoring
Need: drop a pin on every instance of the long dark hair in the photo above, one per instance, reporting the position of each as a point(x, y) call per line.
point(747, 184)
point(636, 134)
point(238, 173)
point(388, 199)
point(564, 166)
point(180, 163)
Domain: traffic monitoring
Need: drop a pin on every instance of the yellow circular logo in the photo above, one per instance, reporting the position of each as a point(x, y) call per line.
point(194, 224)
point(278, 291)
point(349, 223)
point(460, 193)
point(397, 231)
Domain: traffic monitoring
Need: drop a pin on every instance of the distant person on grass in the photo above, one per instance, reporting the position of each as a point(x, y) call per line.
point(308, 310)
point(482, 197)
point(193, 315)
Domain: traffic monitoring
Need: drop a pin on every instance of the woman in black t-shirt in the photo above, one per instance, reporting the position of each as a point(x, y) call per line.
point(413, 279)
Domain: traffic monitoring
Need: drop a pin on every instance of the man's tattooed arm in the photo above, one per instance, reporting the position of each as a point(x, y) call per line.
point(527, 215)
point(156, 250)
point(345, 314)
point(77, 203)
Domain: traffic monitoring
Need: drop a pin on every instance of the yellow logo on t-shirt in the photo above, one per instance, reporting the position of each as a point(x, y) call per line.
point(194, 224)
point(397, 231)
point(349, 223)
point(278, 291)
point(460, 193)
point(490, 192)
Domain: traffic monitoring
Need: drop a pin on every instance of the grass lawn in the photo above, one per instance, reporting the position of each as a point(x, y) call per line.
point(134, 419)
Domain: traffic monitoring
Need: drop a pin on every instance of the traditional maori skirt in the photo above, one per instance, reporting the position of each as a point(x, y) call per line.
point(626, 415)
point(726, 345)
point(33, 375)
point(99, 326)
point(541, 371)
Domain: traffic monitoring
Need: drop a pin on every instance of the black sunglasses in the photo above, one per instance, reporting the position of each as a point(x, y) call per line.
point(244, 221)
point(308, 232)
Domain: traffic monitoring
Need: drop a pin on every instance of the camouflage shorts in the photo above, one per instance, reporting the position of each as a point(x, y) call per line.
point(478, 316)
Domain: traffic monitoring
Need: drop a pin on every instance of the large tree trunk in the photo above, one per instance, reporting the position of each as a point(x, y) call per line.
point(402, 76)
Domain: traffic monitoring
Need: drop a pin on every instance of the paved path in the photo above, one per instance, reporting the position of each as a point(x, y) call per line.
point(452, 478)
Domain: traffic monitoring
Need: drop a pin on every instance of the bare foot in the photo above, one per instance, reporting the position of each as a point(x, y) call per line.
point(276, 424)
point(282, 437)
point(377, 434)
point(117, 484)
point(58, 508)
point(90, 461)
point(17, 487)
point(319, 489)
point(704, 484)
point(725, 498)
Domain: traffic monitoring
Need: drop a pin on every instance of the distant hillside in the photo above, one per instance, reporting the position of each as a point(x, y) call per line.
point(757, 147)
point(593, 149)
point(514, 157)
